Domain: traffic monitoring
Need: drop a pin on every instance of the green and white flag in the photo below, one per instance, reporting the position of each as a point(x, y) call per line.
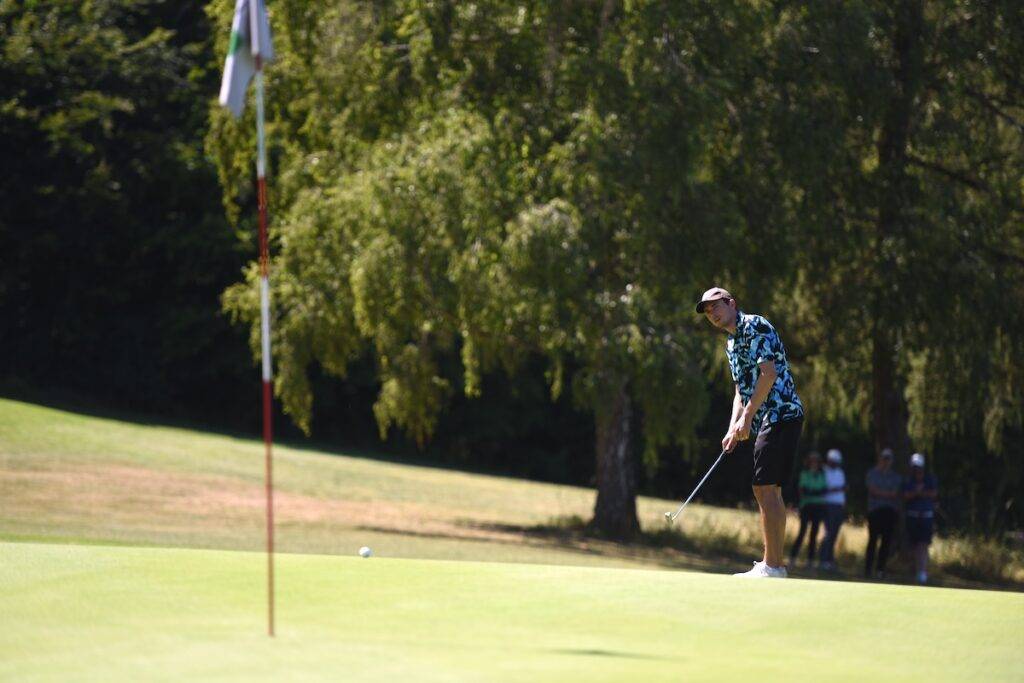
point(241, 63)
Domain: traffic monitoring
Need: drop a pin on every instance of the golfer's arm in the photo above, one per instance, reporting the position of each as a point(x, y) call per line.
point(737, 407)
point(765, 380)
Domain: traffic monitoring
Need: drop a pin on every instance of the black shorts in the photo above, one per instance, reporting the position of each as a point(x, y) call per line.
point(919, 529)
point(774, 452)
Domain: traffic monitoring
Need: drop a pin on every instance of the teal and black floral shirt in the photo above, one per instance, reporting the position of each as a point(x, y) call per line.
point(756, 341)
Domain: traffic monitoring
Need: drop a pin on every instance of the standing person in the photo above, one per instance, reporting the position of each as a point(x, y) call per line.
point(812, 507)
point(835, 507)
point(883, 507)
point(920, 490)
point(765, 401)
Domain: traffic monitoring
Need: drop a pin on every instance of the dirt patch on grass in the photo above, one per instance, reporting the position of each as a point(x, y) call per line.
point(149, 501)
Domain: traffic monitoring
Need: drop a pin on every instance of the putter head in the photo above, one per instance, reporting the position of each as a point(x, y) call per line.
point(669, 518)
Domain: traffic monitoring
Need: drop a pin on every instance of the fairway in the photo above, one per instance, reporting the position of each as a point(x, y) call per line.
point(66, 477)
point(97, 613)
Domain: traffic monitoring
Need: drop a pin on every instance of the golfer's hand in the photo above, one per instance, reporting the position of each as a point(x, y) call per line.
point(740, 431)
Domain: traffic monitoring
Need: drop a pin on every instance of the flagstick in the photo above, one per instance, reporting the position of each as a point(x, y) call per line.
point(261, 193)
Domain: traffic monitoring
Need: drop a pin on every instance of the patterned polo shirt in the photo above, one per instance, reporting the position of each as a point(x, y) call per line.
point(756, 341)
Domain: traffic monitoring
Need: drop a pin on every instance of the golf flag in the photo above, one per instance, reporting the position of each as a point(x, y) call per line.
point(240, 64)
point(250, 48)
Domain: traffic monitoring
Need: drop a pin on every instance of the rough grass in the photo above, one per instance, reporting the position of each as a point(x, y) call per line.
point(72, 477)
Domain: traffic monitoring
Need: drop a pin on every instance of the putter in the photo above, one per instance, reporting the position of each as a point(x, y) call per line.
point(671, 516)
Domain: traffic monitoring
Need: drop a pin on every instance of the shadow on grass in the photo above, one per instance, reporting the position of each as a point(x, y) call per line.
point(713, 550)
point(609, 653)
point(716, 552)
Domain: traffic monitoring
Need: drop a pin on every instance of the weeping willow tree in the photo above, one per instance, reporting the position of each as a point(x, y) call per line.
point(498, 181)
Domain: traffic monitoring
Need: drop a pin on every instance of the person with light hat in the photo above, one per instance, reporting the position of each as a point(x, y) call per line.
point(920, 491)
point(765, 403)
point(835, 507)
point(883, 509)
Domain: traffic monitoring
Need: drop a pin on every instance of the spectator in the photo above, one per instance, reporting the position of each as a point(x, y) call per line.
point(883, 507)
point(812, 507)
point(919, 493)
point(835, 507)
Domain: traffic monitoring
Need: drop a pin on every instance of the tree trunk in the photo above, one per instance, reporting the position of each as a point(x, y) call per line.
point(888, 405)
point(889, 409)
point(615, 509)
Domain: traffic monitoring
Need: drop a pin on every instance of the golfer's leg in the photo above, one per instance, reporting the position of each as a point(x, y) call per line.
point(780, 525)
point(764, 521)
point(773, 522)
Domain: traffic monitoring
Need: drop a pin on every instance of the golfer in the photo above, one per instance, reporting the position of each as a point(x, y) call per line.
point(765, 402)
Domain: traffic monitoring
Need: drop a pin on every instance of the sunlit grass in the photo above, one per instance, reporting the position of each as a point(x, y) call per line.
point(84, 613)
point(75, 478)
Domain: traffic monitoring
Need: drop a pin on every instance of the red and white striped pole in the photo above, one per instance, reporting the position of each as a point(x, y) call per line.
point(261, 194)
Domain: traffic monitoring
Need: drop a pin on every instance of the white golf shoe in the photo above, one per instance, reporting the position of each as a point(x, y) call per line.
point(761, 570)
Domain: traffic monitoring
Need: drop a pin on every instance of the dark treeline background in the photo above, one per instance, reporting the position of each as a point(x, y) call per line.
point(491, 220)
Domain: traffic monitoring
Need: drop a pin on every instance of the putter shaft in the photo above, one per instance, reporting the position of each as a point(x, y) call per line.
point(671, 516)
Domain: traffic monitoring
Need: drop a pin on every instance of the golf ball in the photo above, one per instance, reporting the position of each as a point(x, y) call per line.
point(365, 552)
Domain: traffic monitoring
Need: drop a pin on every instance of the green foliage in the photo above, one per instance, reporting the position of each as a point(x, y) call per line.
point(491, 181)
point(892, 137)
point(109, 213)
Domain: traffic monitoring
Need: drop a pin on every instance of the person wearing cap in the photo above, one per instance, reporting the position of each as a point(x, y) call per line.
point(812, 507)
point(835, 507)
point(920, 490)
point(883, 507)
point(765, 403)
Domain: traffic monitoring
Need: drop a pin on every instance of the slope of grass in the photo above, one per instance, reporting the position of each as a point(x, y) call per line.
point(65, 476)
point(84, 479)
point(114, 613)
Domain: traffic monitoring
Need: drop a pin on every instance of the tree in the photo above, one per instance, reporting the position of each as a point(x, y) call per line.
point(500, 182)
point(116, 249)
point(891, 134)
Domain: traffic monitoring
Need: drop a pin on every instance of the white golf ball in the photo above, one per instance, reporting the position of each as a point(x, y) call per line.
point(365, 552)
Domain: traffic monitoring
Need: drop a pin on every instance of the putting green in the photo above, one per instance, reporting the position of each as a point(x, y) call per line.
point(76, 612)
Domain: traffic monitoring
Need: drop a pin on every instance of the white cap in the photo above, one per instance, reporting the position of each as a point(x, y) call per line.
point(917, 460)
point(834, 456)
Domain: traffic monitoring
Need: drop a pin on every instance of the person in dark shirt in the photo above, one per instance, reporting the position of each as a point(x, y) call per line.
point(812, 507)
point(883, 512)
point(920, 491)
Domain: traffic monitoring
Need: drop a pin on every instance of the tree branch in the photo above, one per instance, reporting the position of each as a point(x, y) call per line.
point(952, 174)
point(991, 105)
point(1016, 259)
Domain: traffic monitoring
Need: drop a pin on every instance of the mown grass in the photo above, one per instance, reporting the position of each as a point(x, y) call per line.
point(95, 613)
point(68, 477)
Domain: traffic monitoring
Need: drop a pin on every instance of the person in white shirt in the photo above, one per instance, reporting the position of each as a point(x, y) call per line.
point(835, 507)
